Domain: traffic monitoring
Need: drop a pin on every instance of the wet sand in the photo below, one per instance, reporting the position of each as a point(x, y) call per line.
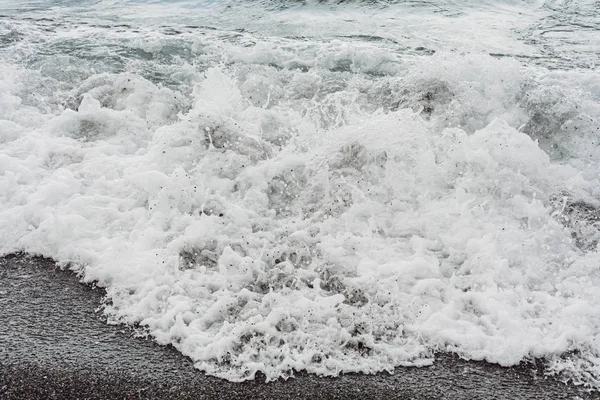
point(54, 344)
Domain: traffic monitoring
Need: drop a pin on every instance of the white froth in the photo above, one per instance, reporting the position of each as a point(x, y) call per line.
point(322, 206)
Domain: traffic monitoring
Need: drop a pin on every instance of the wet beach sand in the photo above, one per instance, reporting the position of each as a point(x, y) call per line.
point(54, 344)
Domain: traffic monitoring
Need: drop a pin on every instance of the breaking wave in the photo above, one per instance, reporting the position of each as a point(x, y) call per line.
point(332, 188)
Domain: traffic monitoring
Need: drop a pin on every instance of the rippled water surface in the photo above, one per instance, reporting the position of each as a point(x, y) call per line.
point(329, 186)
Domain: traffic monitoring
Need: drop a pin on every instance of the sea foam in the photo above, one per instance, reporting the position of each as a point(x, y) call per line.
point(329, 207)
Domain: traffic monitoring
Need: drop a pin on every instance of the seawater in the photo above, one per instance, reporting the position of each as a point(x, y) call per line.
point(333, 187)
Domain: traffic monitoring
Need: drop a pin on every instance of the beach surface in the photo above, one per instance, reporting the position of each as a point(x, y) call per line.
point(55, 344)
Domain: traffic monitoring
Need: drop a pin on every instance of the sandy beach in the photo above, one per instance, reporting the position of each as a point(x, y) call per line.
point(54, 344)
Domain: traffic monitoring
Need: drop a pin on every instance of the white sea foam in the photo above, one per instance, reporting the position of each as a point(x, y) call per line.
point(268, 203)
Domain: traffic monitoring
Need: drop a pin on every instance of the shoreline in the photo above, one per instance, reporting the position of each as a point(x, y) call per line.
point(55, 344)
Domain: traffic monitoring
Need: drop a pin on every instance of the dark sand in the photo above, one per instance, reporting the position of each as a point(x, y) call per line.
point(55, 345)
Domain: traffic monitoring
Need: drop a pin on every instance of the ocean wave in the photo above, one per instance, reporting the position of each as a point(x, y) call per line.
point(279, 202)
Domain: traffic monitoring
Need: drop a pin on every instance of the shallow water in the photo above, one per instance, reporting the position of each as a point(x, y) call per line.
point(320, 186)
